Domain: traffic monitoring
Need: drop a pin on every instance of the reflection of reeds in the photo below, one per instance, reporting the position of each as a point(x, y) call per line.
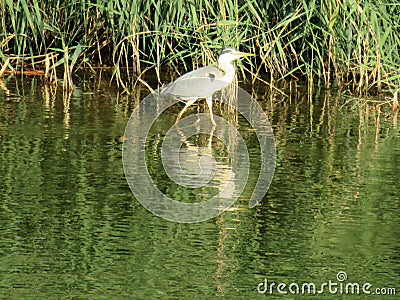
point(353, 42)
point(229, 110)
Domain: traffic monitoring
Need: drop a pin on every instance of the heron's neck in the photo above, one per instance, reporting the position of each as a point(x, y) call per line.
point(229, 71)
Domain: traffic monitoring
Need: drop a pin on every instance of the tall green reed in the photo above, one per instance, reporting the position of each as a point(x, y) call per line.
point(352, 43)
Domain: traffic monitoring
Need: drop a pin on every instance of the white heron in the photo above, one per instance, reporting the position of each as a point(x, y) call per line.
point(210, 79)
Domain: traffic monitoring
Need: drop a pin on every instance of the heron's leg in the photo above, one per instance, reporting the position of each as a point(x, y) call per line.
point(188, 103)
point(209, 103)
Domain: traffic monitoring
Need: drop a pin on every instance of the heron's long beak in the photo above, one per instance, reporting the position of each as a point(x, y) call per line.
point(244, 54)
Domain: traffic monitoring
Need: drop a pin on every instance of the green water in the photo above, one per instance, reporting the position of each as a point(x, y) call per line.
point(72, 229)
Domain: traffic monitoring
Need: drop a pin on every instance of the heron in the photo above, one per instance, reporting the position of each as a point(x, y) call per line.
point(210, 79)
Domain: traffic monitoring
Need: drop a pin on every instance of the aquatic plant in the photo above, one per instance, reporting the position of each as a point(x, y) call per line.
point(349, 43)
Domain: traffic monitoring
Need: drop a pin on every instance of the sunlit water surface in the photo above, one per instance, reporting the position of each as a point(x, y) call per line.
point(72, 229)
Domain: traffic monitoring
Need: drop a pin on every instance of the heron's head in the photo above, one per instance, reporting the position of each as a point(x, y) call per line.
point(230, 54)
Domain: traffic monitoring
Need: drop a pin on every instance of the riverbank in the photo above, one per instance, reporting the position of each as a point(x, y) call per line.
point(351, 44)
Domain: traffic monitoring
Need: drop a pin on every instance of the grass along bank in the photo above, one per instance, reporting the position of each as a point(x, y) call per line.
point(351, 43)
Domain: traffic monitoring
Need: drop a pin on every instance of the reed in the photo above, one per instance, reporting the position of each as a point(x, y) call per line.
point(352, 43)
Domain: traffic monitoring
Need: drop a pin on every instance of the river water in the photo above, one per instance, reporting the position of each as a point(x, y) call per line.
point(72, 229)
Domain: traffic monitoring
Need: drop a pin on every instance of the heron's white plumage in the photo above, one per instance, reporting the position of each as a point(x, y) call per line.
point(204, 82)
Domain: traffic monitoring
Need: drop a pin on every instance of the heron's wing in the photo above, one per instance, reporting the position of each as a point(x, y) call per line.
point(199, 83)
point(210, 72)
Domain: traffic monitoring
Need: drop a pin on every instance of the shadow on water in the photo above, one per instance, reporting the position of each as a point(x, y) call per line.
point(71, 227)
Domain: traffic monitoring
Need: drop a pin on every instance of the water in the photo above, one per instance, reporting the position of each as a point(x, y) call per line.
point(71, 228)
